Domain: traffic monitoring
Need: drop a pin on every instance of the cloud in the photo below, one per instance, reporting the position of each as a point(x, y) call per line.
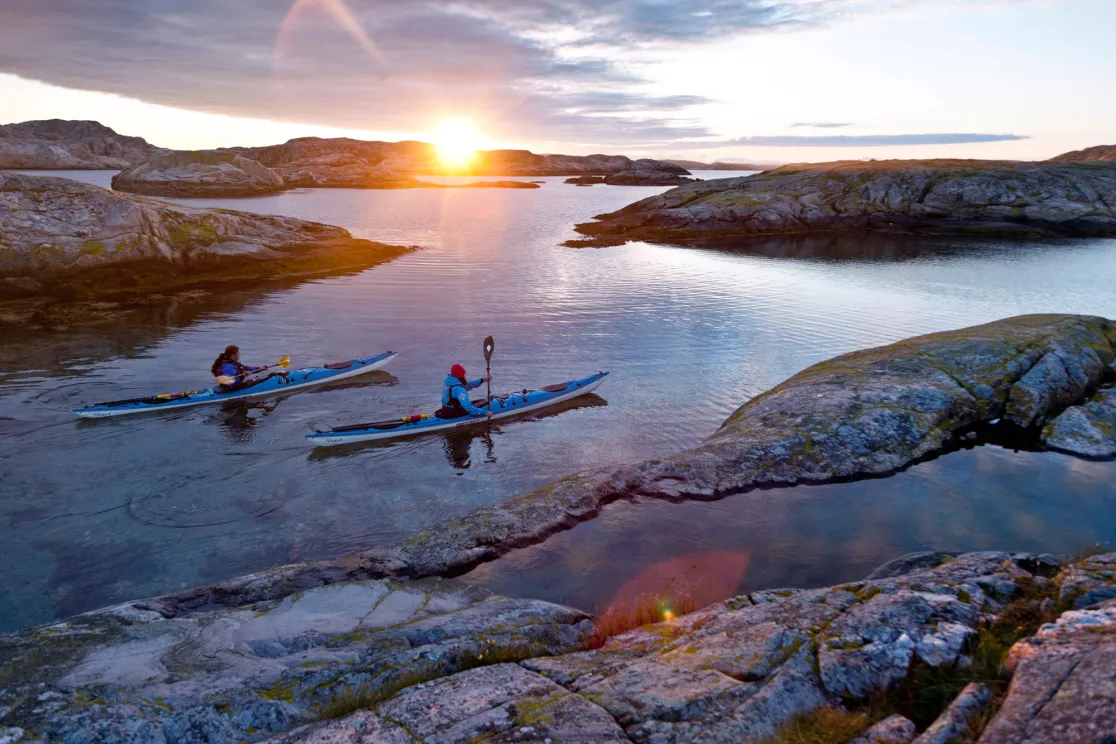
point(820, 124)
point(862, 140)
point(543, 70)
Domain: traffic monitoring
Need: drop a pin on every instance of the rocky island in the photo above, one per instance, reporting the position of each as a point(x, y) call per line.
point(65, 239)
point(1098, 154)
point(349, 163)
point(992, 647)
point(72, 145)
point(643, 172)
point(980, 198)
point(198, 173)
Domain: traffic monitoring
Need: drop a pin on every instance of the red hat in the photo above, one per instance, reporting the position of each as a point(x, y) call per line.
point(457, 370)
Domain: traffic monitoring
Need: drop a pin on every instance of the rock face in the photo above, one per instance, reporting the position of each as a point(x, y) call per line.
point(1088, 430)
point(62, 237)
point(378, 662)
point(198, 173)
point(76, 145)
point(1098, 154)
point(927, 196)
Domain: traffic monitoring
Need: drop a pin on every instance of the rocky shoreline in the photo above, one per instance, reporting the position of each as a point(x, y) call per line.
point(68, 240)
point(978, 198)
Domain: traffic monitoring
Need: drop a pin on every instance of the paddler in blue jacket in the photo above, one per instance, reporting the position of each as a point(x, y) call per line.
point(228, 372)
point(455, 394)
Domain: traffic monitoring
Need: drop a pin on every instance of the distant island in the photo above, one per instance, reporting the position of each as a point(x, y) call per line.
point(975, 197)
point(720, 165)
point(304, 162)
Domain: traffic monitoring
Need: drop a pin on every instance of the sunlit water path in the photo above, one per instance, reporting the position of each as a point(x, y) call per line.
point(102, 511)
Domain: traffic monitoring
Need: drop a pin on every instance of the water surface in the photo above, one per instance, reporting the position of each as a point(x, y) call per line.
point(93, 512)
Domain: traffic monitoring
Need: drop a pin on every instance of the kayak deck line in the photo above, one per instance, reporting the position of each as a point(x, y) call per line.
point(278, 383)
point(503, 406)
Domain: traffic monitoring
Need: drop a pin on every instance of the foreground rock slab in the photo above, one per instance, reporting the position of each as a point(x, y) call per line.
point(70, 239)
point(141, 672)
point(68, 145)
point(380, 662)
point(928, 196)
point(198, 173)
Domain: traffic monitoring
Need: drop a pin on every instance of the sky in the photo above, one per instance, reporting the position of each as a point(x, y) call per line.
point(739, 80)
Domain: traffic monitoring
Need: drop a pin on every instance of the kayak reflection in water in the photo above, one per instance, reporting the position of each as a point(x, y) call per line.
point(230, 374)
point(455, 395)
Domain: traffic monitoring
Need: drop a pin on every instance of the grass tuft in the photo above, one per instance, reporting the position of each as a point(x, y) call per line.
point(822, 726)
point(646, 610)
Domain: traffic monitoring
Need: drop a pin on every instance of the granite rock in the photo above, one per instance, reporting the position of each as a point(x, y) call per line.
point(198, 173)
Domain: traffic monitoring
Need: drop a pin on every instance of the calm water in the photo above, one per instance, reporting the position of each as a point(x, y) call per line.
point(95, 512)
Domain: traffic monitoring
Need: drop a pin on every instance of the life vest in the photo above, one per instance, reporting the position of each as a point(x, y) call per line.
point(223, 379)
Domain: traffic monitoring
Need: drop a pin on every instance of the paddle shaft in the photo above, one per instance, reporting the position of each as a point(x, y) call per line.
point(489, 347)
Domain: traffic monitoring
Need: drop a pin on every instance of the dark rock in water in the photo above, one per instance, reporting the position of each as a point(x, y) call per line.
point(64, 238)
point(200, 173)
point(926, 196)
point(911, 562)
point(585, 180)
point(1088, 429)
point(69, 145)
point(494, 185)
point(435, 662)
point(1098, 154)
point(645, 172)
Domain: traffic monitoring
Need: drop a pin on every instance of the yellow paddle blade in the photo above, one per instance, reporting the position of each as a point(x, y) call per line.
point(284, 362)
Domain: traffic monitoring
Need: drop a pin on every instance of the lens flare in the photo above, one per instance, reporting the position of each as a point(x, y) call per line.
point(335, 9)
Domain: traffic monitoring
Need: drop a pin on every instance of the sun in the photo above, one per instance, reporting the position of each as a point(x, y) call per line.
point(457, 142)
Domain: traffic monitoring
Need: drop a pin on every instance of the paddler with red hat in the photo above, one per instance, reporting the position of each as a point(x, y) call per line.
point(455, 394)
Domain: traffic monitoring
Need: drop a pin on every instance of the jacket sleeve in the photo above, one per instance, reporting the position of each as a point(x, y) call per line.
point(475, 383)
point(463, 399)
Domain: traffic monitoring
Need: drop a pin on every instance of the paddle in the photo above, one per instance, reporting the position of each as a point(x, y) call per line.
point(489, 345)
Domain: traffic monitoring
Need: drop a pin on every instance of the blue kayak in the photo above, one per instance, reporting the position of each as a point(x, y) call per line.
point(503, 406)
point(281, 382)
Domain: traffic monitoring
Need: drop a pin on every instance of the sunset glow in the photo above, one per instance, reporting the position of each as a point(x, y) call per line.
point(457, 142)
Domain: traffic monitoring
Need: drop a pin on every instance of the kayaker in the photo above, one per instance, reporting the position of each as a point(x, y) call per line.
point(228, 372)
point(455, 395)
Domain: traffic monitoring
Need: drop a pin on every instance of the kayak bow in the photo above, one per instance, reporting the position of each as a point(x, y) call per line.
point(280, 383)
point(503, 406)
